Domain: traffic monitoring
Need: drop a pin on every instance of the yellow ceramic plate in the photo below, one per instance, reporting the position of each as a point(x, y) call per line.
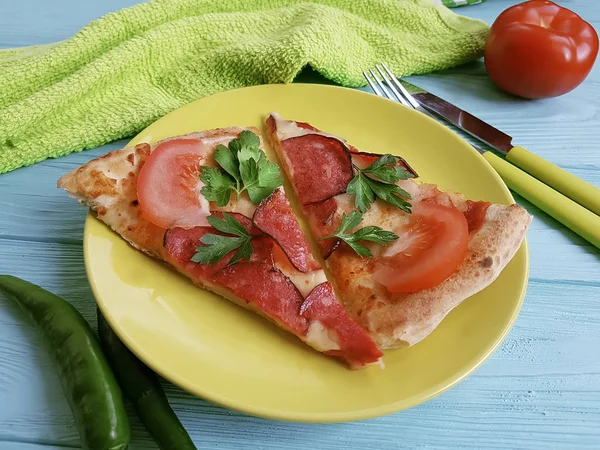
point(232, 357)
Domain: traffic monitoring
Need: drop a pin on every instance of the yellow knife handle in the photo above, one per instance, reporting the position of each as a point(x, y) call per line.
point(568, 184)
point(574, 216)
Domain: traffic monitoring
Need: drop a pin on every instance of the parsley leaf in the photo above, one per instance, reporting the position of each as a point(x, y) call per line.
point(363, 194)
point(228, 224)
point(218, 185)
point(228, 160)
point(217, 247)
point(370, 233)
point(245, 167)
point(249, 139)
point(385, 169)
point(260, 177)
point(235, 146)
point(390, 193)
point(377, 181)
point(247, 153)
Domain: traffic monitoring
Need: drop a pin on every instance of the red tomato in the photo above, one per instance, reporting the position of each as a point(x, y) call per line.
point(539, 49)
point(169, 185)
point(427, 251)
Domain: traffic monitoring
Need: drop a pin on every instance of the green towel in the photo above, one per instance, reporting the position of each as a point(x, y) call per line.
point(127, 69)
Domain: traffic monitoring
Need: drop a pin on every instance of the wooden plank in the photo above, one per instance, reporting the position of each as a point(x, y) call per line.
point(33, 208)
point(34, 22)
point(547, 364)
point(540, 390)
point(12, 445)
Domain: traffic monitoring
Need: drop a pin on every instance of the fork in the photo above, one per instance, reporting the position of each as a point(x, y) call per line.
point(574, 216)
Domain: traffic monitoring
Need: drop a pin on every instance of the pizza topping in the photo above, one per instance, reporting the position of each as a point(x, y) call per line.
point(321, 216)
point(218, 185)
point(274, 216)
point(266, 289)
point(321, 166)
point(243, 168)
point(377, 180)
point(475, 214)
point(304, 281)
point(242, 206)
point(218, 246)
point(320, 338)
point(365, 159)
point(371, 233)
point(287, 129)
point(180, 246)
point(327, 315)
point(429, 249)
point(244, 221)
point(168, 188)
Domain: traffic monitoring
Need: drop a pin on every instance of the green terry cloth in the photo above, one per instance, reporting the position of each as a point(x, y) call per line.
point(127, 69)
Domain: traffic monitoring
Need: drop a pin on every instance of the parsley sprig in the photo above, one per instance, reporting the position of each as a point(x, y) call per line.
point(217, 247)
point(243, 166)
point(378, 180)
point(370, 233)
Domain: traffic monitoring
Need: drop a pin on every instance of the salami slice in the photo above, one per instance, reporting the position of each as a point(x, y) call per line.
point(356, 346)
point(267, 290)
point(321, 216)
point(274, 216)
point(180, 246)
point(321, 166)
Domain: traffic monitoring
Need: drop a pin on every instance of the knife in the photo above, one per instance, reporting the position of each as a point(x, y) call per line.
point(571, 214)
point(568, 184)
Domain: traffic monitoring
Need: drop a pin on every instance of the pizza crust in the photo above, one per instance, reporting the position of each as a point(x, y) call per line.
point(108, 185)
point(401, 320)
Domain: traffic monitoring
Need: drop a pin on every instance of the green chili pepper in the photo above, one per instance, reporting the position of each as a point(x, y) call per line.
point(86, 378)
point(142, 387)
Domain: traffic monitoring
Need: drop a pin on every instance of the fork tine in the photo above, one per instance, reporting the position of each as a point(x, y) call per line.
point(402, 89)
point(381, 85)
point(372, 84)
point(391, 86)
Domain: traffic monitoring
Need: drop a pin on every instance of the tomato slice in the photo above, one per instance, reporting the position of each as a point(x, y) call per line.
point(429, 249)
point(169, 185)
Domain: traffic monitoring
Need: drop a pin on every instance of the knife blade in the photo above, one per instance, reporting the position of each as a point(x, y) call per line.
point(580, 191)
point(467, 122)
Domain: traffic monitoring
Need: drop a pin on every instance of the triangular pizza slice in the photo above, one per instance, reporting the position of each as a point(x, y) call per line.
point(401, 254)
point(210, 205)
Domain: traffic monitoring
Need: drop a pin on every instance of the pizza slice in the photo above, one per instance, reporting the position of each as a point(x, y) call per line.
point(211, 206)
point(401, 254)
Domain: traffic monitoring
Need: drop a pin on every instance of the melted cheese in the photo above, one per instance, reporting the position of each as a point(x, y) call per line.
point(380, 214)
point(287, 129)
point(242, 206)
point(319, 337)
point(305, 282)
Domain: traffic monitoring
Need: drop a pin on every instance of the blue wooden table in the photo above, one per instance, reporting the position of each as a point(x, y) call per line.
point(541, 389)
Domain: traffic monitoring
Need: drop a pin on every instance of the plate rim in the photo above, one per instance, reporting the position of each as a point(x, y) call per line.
point(286, 415)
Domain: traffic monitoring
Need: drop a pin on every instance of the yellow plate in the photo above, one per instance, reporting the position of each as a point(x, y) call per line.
point(227, 355)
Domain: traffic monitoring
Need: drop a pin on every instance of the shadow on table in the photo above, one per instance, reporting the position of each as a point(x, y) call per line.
point(311, 76)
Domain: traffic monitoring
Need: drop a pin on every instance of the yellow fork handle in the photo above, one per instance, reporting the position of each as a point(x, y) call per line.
point(579, 219)
point(568, 184)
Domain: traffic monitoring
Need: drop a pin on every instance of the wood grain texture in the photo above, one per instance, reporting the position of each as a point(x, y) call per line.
point(540, 390)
